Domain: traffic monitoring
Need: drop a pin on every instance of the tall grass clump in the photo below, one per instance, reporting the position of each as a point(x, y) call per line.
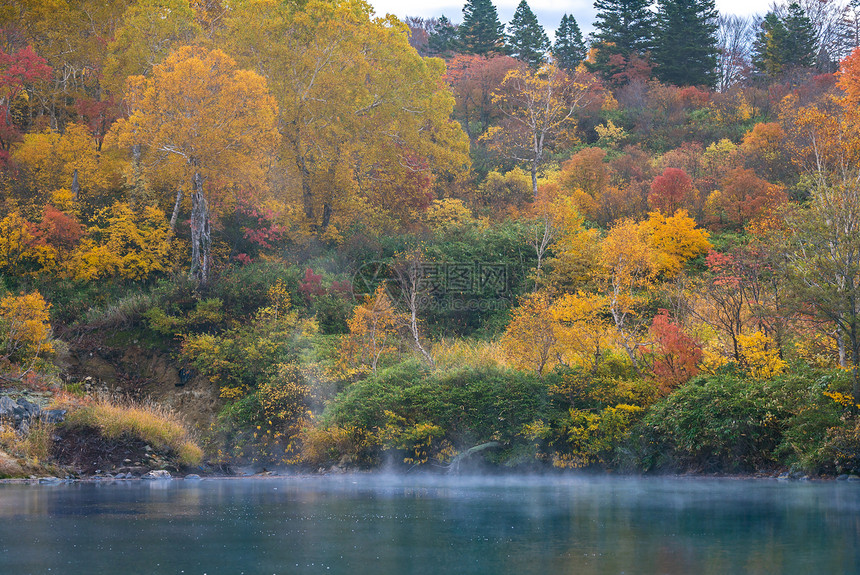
point(458, 353)
point(150, 422)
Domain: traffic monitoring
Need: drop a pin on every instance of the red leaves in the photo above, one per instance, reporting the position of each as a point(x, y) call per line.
point(311, 286)
point(677, 355)
point(17, 70)
point(671, 191)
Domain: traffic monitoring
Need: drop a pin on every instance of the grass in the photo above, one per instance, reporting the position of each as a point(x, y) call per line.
point(457, 353)
point(150, 422)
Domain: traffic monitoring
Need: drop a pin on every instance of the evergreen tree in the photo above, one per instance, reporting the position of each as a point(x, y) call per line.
point(624, 33)
point(801, 41)
point(481, 32)
point(443, 38)
point(527, 40)
point(569, 48)
point(685, 48)
point(784, 44)
point(626, 25)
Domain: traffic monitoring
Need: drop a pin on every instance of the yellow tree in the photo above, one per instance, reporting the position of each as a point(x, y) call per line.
point(582, 331)
point(25, 329)
point(365, 122)
point(530, 340)
point(628, 269)
point(217, 122)
point(372, 331)
point(675, 240)
point(150, 29)
point(538, 106)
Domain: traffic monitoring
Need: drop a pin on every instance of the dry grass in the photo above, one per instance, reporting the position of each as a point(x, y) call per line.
point(456, 353)
point(31, 449)
point(9, 467)
point(152, 423)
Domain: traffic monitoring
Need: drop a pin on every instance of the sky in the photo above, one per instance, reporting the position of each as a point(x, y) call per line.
point(549, 12)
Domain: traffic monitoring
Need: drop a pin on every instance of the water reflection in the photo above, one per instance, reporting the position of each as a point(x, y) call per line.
point(373, 524)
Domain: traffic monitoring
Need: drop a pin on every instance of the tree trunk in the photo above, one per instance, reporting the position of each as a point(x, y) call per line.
point(176, 206)
point(76, 186)
point(201, 239)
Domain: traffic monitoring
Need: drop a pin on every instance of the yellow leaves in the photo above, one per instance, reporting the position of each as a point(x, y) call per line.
point(372, 331)
point(199, 108)
point(760, 355)
point(25, 327)
point(582, 331)
point(50, 159)
point(123, 243)
point(530, 340)
point(448, 214)
point(675, 240)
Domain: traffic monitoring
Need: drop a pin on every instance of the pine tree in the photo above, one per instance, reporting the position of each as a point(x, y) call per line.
point(624, 33)
point(625, 24)
point(685, 48)
point(784, 44)
point(481, 32)
point(527, 40)
point(801, 42)
point(569, 48)
point(443, 38)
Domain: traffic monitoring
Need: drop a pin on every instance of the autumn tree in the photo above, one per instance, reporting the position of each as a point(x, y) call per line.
point(473, 80)
point(743, 196)
point(150, 30)
point(674, 240)
point(372, 330)
point(217, 122)
point(365, 122)
point(676, 355)
point(25, 329)
point(584, 335)
point(530, 340)
point(628, 270)
point(538, 108)
point(671, 191)
point(18, 70)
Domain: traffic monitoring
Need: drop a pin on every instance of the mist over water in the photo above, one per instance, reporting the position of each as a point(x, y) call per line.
point(380, 524)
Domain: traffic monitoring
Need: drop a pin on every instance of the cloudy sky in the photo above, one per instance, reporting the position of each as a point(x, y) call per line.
point(549, 12)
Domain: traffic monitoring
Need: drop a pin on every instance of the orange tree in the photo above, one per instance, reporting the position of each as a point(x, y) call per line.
point(203, 119)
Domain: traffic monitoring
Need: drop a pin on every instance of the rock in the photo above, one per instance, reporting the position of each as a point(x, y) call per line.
point(853, 478)
point(193, 477)
point(49, 480)
point(7, 406)
point(157, 474)
point(119, 476)
point(783, 477)
point(842, 477)
point(53, 415)
point(31, 409)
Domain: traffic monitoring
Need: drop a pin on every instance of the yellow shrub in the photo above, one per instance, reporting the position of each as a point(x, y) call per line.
point(760, 356)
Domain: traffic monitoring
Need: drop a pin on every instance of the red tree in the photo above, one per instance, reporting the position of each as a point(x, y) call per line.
point(17, 71)
point(676, 355)
point(671, 191)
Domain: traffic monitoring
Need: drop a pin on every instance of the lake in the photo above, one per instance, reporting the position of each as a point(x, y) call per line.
point(376, 524)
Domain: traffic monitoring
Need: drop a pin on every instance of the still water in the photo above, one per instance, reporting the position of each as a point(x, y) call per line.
point(381, 525)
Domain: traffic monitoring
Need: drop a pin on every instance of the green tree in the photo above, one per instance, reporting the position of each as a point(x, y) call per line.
point(481, 31)
point(784, 43)
point(443, 39)
point(569, 48)
point(527, 40)
point(685, 48)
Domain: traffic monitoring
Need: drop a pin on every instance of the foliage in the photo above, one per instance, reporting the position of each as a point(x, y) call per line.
point(530, 341)
point(569, 47)
point(481, 32)
point(676, 354)
point(25, 329)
